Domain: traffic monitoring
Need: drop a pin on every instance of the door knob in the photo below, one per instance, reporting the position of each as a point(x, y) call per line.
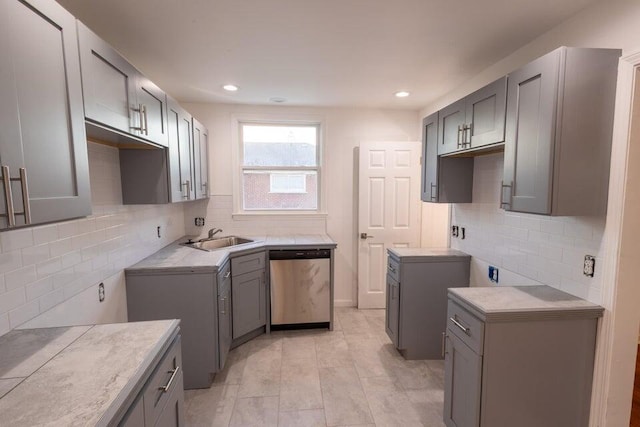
point(365, 236)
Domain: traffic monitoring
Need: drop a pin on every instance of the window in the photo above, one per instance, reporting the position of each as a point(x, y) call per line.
point(280, 167)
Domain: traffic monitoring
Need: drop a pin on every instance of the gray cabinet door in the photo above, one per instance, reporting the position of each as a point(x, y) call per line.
point(153, 102)
point(225, 332)
point(430, 158)
point(41, 114)
point(463, 373)
point(485, 115)
point(248, 296)
point(450, 127)
point(392, 313)
point(530, 135)
point(173, 413)
point(180, 152)
point(201, 160)
point(108, 84)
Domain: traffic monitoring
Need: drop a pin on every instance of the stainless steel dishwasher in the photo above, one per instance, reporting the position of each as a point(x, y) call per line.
point(300, 288)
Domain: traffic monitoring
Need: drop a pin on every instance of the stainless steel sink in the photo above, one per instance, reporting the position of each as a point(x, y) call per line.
point(217, 243)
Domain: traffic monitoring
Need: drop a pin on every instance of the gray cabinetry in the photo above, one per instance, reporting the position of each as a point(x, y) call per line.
point(161, 176)
point(161, 400)
point(249, 293)
point(200, 160)
point(444, 179)
point(417, 282)
point(189, 296)
point(474, 121)
point(225, 329)
point(518, 356)
point(43, 148)
point(558, 133)
point(117, 96)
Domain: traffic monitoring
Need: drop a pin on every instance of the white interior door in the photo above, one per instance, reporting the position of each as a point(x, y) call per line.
point(389, 211)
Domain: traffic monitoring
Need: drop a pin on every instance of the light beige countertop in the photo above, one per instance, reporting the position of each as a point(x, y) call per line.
point(506, 303)
point(78, 375)
point(175, 257)
point(426, 254)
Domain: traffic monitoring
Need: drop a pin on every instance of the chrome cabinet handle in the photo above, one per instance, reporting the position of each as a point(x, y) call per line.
point(390, 268)
point(167, 386)
point(431, 196)
point(469, 133)
point(502, 187)
point(146, 119)
point(8, 196)
point(226, 276)
point(460, 130)
point(188, 185)
point(460, 325)
point(26, 203)
point(139, 111)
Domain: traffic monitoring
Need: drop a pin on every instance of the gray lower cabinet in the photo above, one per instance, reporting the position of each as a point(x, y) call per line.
point(249, 293)
point(43, 149)
point(117, 96)
point(190, 296)
point(444, 179)
point(160, 402)
point(417, 282)
point(200, 160)
point(225, 324)
point(474, 121)
point(558, 133)
point(528, 367)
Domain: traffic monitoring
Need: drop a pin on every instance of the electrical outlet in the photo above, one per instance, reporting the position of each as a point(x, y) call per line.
point(493, 274)
point(158, 231)
point(199, 222)
point(455, 231)
point(589, 265)
point(101, 292)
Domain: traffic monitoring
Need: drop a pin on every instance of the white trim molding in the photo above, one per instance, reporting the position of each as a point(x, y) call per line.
point(618, 330)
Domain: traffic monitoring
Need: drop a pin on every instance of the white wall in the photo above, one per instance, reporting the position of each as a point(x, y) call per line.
point(343, 130)
point(58, 266)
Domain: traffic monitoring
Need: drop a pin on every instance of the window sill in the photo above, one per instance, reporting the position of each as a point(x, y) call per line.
point(278, 214)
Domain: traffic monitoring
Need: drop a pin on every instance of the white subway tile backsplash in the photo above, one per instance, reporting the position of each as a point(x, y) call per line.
point(49, 267)
point(17, 240)
point(10, 261)
point(17, 278)
point(11, 300)
point(23, 313)
point(45, 234)
point(39, 288)
point(542, 249)
point(36, 254)
point(50, 300)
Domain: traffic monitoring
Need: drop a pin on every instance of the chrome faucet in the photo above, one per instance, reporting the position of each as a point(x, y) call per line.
point(214, 231)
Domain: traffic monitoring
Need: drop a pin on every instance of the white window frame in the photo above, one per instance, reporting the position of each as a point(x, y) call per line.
point(237, 157)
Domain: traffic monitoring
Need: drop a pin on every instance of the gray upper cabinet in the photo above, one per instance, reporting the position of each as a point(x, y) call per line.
point(117, 96)
point(43, 147)
point(200, 160)
point(444, 179)
point(180, 153)
point(558, 133)
point(474, 121)
point(450, 127)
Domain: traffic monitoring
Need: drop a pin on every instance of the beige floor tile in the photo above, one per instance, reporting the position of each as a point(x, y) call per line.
point(344, 399)
point(429, 405)
point(306, 418)
point(210, 407)
point(416, 374)
point(255, 411)
point(298, 347)
point(389, 403)
point(233, 370)
point(300, 385)
point(261, 377)
point(333, 351)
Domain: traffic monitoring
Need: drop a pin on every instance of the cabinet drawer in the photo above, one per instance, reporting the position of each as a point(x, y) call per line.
point(247, 263)
point(163, 381)
point(465, 326)
point(393, 269)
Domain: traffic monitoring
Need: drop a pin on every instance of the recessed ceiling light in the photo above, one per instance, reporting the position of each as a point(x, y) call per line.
point(402, 94)
point(230, 88)
point(278, 99)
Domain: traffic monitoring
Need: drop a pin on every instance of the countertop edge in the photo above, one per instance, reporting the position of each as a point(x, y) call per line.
point(120, 405)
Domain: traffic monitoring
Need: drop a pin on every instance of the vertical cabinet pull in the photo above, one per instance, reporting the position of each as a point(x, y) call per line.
point(466, 135)
point(460, 136)
point(431, 195)
point(167, 386)
point(8, 197)
point(143, 107)
point(502, 187)
point(26, 204)
point(188, 185)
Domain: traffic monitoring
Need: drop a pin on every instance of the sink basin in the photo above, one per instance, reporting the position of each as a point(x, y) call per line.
point(218, 243)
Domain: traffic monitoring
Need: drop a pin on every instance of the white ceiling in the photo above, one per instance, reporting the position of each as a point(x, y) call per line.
point(318, 52)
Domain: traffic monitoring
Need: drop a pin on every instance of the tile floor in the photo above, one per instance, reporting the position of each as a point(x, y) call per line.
point(351, 376)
